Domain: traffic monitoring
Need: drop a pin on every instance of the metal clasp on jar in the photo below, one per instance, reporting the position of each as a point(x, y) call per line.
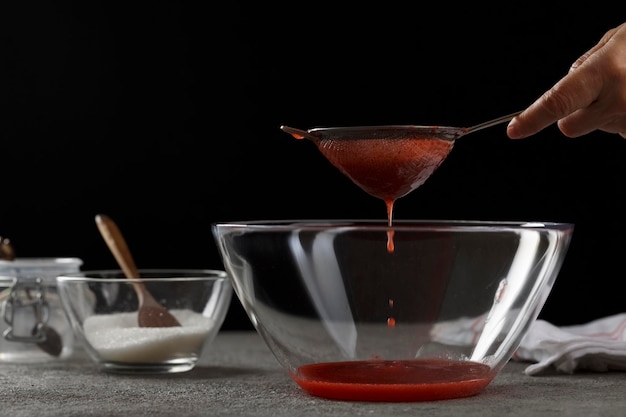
point(26, 311)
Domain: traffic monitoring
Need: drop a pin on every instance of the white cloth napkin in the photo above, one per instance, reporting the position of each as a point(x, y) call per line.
point(599, 345)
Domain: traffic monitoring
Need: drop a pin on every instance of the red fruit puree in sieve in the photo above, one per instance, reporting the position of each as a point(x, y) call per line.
point(386, 169)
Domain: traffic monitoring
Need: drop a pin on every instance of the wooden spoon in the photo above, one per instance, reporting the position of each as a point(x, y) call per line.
point(150, 312)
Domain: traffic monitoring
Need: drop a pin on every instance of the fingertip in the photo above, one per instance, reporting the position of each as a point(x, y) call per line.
point(512, 129)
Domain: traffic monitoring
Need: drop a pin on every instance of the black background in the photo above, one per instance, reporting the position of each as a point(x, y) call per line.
point(166, 115)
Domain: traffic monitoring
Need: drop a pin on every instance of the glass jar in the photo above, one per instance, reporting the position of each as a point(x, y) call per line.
point(33, 324)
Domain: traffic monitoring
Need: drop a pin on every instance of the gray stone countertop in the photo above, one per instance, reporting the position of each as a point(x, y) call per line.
point(238, 376)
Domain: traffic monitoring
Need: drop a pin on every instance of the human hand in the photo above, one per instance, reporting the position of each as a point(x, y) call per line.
point(592, 96)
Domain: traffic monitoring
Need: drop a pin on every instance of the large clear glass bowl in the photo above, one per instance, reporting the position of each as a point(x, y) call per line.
point(434, 316)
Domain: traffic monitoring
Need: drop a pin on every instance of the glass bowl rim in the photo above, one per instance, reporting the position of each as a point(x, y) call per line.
point(397, 225)
point(102, 275)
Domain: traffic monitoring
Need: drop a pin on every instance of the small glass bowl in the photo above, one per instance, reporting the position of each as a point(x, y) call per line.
point(102, 309)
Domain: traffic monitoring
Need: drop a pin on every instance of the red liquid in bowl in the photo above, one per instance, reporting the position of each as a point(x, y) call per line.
point(394, 380)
